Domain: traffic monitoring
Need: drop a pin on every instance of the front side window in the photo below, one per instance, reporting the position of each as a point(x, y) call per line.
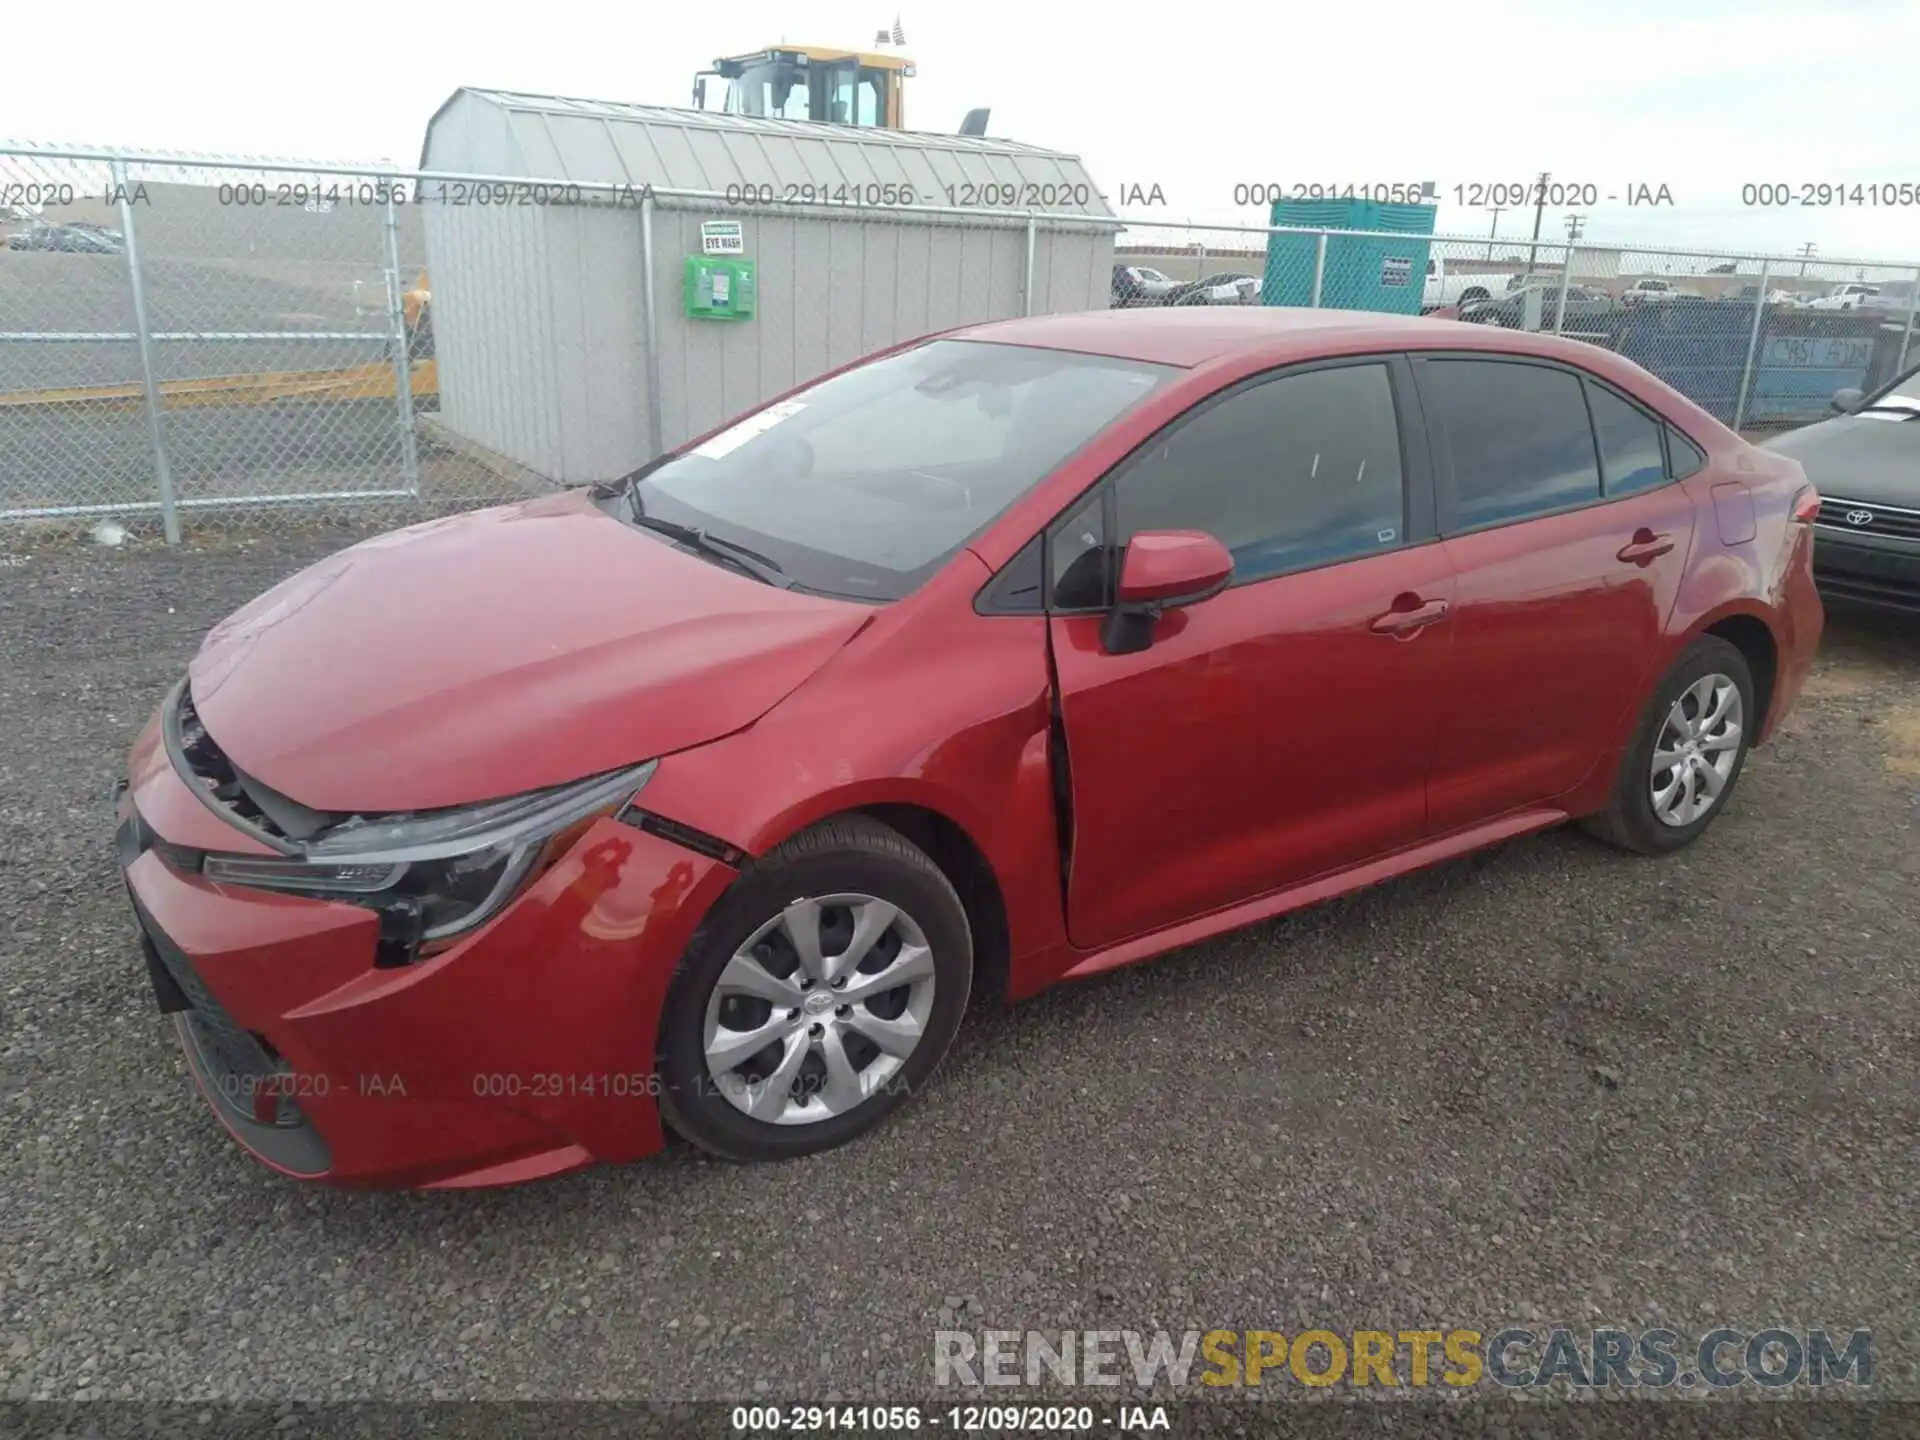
point(1518, 437)
point(1630, 454)
point(870, 100)
point(1290, 473)
point(866, 483)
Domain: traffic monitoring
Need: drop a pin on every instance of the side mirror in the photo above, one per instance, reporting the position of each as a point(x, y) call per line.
point(1845, 402)
point(1162, 570)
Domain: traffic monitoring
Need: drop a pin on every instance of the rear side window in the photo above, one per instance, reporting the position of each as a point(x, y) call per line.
point(1518, 436)
point(1684, 458)
point(1630, 455)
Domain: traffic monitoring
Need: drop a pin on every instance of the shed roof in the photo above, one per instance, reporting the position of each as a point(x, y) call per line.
point(550, 137)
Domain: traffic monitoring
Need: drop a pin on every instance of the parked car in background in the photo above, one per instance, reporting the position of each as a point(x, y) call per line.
point(74, 239)
point(1586, 308)
point(1460, 287)
point(1896, 296)
point(1849, 297)
point(1231, 289)
point(1866, 463)
point(977, 663)
point(1642, 291)
point(1140, 285)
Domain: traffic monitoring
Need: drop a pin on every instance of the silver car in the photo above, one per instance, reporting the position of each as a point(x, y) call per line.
point(1218, 290)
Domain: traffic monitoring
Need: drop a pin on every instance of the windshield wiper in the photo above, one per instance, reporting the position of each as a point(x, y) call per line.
point(759, 566)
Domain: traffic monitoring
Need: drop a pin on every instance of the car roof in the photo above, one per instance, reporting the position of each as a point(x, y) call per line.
point(1186, 337)
point(1259, 337)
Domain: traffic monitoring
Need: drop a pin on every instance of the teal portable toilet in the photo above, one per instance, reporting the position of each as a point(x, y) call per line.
point(1363, 272)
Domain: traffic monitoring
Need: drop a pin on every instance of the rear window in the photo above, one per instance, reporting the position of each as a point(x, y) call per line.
point(1684, 458)
point(1630, 456)
point(866, 483)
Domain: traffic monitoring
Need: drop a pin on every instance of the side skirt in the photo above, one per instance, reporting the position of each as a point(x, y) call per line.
point(1312, 892)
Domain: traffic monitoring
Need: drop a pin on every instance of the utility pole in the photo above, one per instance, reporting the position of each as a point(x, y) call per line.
point(1539, 214)
point(1806, 253)
point(1494, 233)
point(1575, 224)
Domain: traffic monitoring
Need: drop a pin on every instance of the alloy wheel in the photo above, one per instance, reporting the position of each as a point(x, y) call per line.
point(818, 1008)
point(1696, 750)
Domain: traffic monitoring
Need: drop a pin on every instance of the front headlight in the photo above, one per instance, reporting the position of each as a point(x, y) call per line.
point(451, 869)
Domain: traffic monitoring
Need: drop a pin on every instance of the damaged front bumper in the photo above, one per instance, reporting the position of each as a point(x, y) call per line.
point(522, 1049)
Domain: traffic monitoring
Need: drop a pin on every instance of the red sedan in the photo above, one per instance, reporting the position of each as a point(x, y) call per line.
point(489, 848)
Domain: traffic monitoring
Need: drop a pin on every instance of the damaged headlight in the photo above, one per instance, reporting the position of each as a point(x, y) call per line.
point(447, 871)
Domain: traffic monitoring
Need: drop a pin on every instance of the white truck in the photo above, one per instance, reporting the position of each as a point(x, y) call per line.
point(1847, 297)
point(1642, 291)
point(1457, 288)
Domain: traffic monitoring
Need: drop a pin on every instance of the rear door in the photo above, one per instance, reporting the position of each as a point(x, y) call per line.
point(1283, 728)
point(1568, 538)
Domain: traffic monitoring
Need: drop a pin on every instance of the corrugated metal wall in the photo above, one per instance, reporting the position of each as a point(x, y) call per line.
point(538, 314)
point(831, 290)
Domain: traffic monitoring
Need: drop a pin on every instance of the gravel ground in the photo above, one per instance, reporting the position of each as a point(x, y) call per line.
point(1548, 1083)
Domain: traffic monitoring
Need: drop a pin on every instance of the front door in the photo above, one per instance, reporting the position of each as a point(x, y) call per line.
point(1284, 728)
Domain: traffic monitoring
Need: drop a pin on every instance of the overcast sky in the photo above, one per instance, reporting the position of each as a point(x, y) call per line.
point(1701, 96)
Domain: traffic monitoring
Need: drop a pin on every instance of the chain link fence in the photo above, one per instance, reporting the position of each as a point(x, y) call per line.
point(199, 340)
point(1762, 342)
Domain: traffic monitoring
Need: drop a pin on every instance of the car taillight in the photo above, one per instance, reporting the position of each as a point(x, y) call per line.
point(1806, 506)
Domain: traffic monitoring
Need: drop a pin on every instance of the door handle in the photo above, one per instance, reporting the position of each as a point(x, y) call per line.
point(1410, 615)
point(1645, 547)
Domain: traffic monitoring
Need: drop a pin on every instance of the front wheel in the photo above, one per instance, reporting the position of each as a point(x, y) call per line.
point(818, 996)
point(1687, 753)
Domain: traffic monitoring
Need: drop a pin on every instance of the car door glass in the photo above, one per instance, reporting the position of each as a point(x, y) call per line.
point(1079, 559)
point(1630, 455)
point(1684, 458)
point(1294, 472)
point(1519, 438)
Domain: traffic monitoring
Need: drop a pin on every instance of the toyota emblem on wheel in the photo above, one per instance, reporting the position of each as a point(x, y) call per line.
point(1859, 517)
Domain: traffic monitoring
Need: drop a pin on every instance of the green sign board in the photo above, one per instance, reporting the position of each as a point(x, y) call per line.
point(719, 289)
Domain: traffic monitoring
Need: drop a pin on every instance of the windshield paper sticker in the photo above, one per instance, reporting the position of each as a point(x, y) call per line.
point(732, 438)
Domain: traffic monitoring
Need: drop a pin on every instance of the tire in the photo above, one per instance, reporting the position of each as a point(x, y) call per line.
point(1467, 297)
point(847, 865)
point(1632, 821)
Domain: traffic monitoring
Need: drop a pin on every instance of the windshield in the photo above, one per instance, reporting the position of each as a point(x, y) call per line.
point(866, 483)
point(776, 88)
point(1901, 393)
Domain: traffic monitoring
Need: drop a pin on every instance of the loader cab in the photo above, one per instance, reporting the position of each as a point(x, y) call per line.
point(798, 82)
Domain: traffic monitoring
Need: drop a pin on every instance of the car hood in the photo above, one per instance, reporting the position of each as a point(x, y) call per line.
point(1857, 457)
point(491, 653)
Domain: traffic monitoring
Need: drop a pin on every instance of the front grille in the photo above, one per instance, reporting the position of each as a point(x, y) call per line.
point(214, 773)
point(1863, 517)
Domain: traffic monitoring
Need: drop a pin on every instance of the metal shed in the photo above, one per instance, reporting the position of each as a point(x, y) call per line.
point(540, 290)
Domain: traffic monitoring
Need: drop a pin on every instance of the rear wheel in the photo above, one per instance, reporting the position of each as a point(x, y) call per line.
point(822, 991)
point(1687, 753)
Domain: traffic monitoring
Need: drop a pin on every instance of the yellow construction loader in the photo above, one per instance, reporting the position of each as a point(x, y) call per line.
point(865, 89)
